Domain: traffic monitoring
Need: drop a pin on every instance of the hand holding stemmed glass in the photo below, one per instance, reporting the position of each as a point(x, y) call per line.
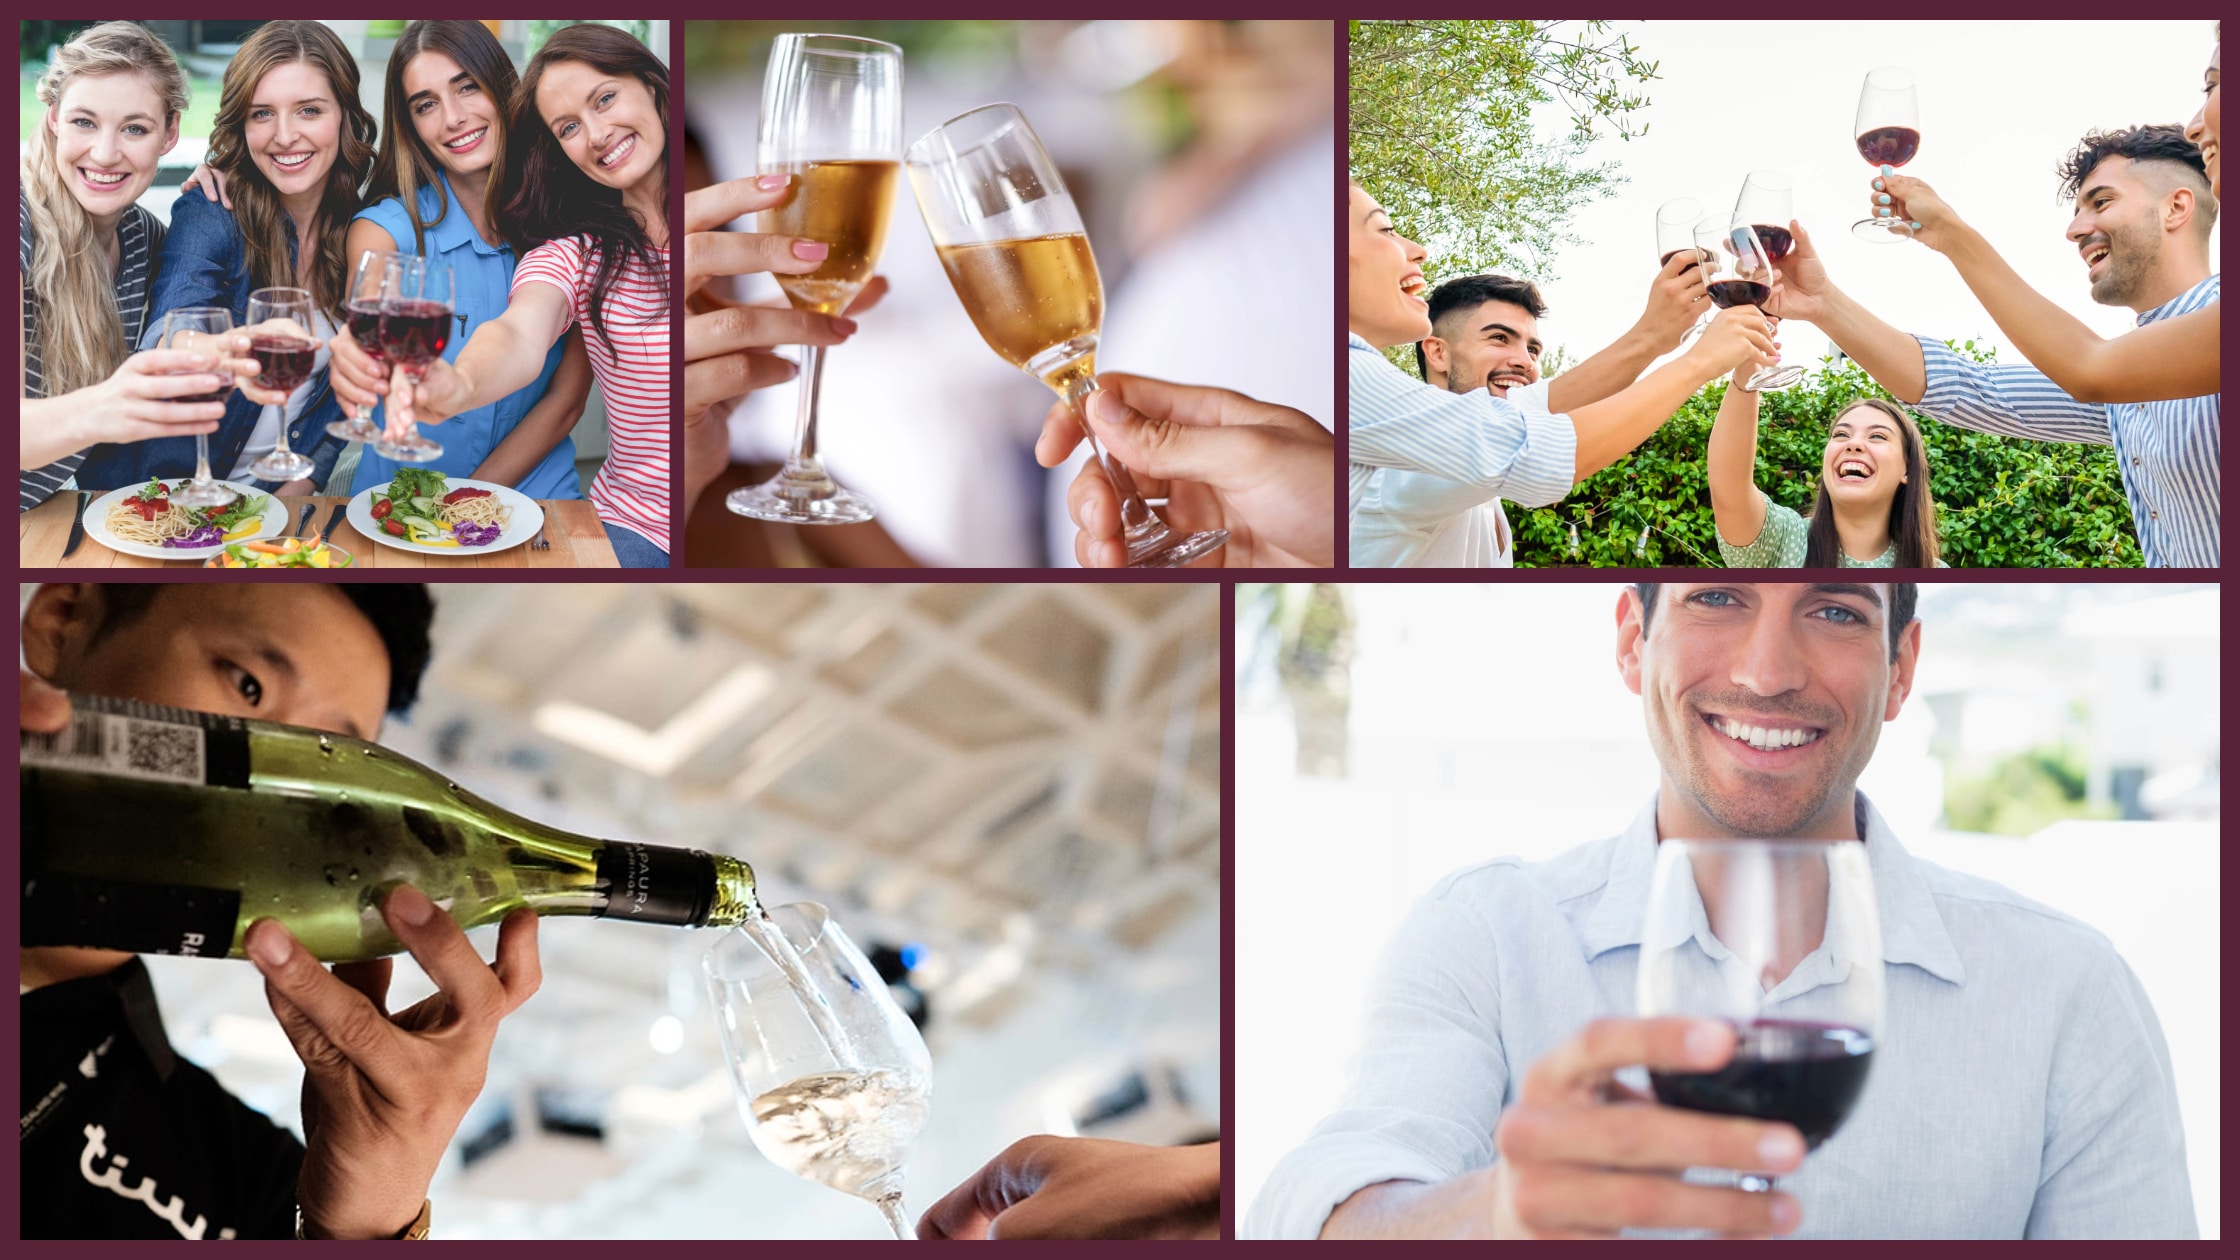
point(379, 276)
point(1738, 271)
point(1888, 132)
point(416, 325)
point(847, 1115)
point(206, 330)
point(280, 340)
point(1676, 228)
point(1012, 242)
point(1780, 939)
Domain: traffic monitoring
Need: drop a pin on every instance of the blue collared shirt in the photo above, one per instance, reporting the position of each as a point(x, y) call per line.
point(2167, 450)
point(483, 276)
point(1396, 421)
point(2021, 1087)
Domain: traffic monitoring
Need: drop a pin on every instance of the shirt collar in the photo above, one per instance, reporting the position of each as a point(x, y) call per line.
point(1359, 342)
point(2191, 299)
point(1912, 930)
point(455, 228)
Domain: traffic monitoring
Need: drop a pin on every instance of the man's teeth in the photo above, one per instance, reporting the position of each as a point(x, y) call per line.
point(1765, 737)
point(2095, 254)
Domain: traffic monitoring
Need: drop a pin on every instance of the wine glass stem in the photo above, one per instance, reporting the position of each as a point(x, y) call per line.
point(1135, 514)
point(891, 1208)
point(804, 456)
point(202, 459)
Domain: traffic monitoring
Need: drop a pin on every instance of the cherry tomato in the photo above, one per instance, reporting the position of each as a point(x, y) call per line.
point(382, 508)
point(393, 527)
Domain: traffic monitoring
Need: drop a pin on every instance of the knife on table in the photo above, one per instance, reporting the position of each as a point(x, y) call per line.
point(339, 510)
point(77, 524)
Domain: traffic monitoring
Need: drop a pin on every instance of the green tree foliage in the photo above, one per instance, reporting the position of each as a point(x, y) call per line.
point(1439, 120)
point(2022, 794)
point(2001, 502)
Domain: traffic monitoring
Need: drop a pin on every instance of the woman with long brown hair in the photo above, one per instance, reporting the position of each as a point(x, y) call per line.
point(113, 95)
point(1872, 509)
point(293, 146)
point(586, 196)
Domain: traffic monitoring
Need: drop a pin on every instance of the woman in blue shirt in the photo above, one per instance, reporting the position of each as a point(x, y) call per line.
point(442, 140)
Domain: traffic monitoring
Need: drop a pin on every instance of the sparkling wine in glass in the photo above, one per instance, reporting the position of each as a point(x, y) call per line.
point(830, 1075)
point(1781, 940)
point(200, 328)
point(284, 361)
point(1676, 232)
point(1012, 242)
point(832, 119)
point(1767, 203)
point(379, 275)
point(415, 328)
point(1888, 128)
point(1738, 271)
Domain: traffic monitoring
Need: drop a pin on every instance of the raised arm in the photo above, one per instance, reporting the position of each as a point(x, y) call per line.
point(1889, 354)
point(1730, 462)
point(1676, 298)
point(2172, 358)
point(1610, 429)
point(551, 419)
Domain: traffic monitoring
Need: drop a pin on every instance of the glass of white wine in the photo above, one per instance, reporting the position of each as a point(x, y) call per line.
point(844, 1115)
point(1012, 242)
point(832, 119)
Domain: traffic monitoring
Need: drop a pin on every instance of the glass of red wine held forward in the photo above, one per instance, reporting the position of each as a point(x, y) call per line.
point(284, 360)
point(1738, 271)
point(1676, 233)
point(199, 328)
point(415, 328)
point(1888, 128)
point(1781, 940)
point(378, 277)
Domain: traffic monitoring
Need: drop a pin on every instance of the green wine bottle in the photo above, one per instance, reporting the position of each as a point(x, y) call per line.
point(163, 831)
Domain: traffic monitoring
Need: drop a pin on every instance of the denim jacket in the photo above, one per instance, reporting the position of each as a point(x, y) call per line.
point(206, 263)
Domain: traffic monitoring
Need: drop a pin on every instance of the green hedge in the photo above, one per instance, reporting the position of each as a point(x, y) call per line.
point(2001, 502)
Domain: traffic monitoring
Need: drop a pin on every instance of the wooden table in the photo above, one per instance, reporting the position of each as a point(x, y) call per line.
point(570, 525)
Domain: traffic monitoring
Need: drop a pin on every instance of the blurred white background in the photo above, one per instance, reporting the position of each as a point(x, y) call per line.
point(1479, 721)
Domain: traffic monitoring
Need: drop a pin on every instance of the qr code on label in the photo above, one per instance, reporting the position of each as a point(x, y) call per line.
point(170, 752)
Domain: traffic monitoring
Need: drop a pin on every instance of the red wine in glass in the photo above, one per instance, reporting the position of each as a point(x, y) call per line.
point(1889, 146)
point(213, 396)
point(414, 332)
point(286, 361)
point(1776, 240)
point(1808, 1075)
point(1888, 130)
point(1726, 293)
point(365, 327)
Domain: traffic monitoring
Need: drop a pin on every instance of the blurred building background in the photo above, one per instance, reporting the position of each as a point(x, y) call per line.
point(1202, 155)
point(1009, 796)
point(2062, 739)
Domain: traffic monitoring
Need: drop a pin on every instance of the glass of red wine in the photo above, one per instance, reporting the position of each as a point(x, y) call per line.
point(1738, 271)
point(1888, 128)
point(284, 361)
point(199, 328)
point(1676, 231)
point(1781, 940)
point(415, 328)
point(1767, 203)
point(379, 273)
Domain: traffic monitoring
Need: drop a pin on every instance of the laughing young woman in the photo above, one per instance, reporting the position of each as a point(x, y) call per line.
point(113, 96)
point(293, 145)
point(586, 184)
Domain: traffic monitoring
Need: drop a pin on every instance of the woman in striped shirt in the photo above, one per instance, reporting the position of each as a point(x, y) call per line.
point(587, 186)
point(113, 96)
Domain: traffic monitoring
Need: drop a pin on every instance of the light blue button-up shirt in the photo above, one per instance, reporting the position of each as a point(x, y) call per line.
point(2021, 1087)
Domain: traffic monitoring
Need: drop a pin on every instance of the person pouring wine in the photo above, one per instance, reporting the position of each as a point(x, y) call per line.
point(2022, 1088)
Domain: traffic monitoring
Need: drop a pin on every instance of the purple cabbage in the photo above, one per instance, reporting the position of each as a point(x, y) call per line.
point(469, 534)
point(203, 536)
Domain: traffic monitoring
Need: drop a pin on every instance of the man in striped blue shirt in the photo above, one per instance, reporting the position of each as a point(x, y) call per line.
point(2143, 214)
point(1396, 421)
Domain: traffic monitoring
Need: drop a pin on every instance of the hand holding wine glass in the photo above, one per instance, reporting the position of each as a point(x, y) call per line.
point(1930, 218)
point(1887, 129)
point(1737, 337)
point(358, 368)
point(280, 340)
point(1739, 272)
point(416, 326)
point(208, 330)
point(1677, 303)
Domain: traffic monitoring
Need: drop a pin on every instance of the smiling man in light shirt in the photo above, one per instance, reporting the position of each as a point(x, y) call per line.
point(2022, 1088)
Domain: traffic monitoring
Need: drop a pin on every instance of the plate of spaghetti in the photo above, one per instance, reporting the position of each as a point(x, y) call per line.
point(422, 510)
point(143, 521)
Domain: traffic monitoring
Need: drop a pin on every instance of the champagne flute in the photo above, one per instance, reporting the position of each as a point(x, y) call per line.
point(1780, 939)
point(1767, 203)
point(378, 275)
point(415, 327)
point(832, 119)
point(1738, 271)
point(284, 361)
point(1888, 128)
point(1676, 226)
point(1017, 255)
point(844, 1115)
point(204, 329)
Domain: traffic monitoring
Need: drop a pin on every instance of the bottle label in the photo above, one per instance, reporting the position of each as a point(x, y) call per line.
point(138, 918)
point(132, 740)
point(655, 885)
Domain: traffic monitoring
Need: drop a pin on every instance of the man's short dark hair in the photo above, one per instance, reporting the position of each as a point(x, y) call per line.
point(1903, 596)
point(400, 612)
point(2155, 142)
point(1470, 292)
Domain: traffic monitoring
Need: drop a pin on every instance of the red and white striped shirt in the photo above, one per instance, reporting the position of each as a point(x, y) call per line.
point(632, 488)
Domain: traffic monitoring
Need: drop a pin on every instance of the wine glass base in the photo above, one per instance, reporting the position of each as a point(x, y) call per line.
point(355, 430)
point(203, 495)
point(282, 466)
point(416, 450)
point(1165, 549)
point(1779, 376)
point(789, 503)
point(1882, 231)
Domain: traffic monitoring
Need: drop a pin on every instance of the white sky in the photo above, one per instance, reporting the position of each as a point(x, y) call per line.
point(2001, 103)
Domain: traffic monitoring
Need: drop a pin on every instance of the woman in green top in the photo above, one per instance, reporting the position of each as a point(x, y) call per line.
point(1871, 510)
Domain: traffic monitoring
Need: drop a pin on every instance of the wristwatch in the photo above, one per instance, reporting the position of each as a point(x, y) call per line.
point(417, 1231)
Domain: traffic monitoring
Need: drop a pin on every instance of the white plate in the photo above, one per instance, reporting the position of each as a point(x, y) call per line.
point(97, 523)
point(527, 519)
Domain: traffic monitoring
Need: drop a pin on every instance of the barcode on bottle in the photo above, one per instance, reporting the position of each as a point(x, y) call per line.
point(111, 743)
